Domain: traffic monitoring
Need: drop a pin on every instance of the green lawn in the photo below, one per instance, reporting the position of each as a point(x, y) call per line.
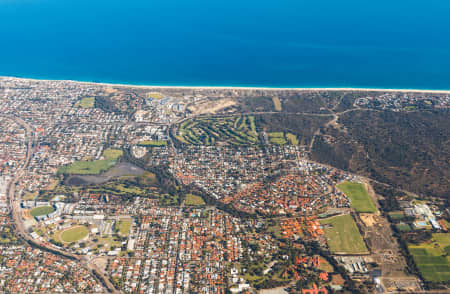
point(112, 154)
point(148, 179)
point(87, 167)
point(251, 118)
point(277, 138)
point(7, 236)
point(275, 230)
point(276, 134)
point(124, 227)
point(359, 197)
point(106, 242)
point(41, 210)
point(128, 186)
point(168, 200)
point(432, 258)
point(128, 189)
point(397, 215)
point(292, 138)
point(87, 102)
point(403, 227)
point(94, 167)
point(343, 235)
point(74, 234)
point(153, 143)
point(194, 200)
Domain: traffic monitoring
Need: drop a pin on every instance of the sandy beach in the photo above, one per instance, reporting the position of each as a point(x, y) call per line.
point(112, 85)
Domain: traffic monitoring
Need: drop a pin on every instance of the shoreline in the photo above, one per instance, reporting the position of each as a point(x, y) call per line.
point(257, 88)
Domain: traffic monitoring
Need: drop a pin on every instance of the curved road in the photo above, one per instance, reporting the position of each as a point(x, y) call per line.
point(14, 205)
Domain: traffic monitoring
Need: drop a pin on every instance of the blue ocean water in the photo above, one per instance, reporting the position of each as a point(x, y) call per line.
point(277, 43)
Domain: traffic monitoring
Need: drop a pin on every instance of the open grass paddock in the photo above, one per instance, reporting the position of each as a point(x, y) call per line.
point(343, 236)
point(41, 210)
point(74, 234)
point(359, 197)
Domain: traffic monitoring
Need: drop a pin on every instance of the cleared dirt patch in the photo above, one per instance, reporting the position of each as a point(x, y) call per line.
point(277, 103)
point(26, 214)
point(368, 219)
point(211, 107)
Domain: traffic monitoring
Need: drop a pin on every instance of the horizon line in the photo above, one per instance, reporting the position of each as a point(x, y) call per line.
point(122, 85)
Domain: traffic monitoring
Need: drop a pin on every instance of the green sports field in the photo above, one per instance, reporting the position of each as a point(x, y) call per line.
point(397, 215)
point(41, 210)
point(194, 200)
point(153, 143)
point(432, 258)
point(359, 197)
point(124, 227)
point(74, 234)
point(343, 235)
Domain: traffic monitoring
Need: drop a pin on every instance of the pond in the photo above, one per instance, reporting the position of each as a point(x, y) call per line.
point(122, 169)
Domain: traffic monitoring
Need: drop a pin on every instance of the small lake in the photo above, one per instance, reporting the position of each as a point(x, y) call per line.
point(122, 169)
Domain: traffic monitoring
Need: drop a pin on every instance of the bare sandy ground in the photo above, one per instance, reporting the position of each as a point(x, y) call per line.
point(368, 219)
point(211, 107)
point(279, 290)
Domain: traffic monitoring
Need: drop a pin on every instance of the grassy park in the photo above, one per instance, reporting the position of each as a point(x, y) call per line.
point(93, 167)
point(359, 197)
point(8, 236)
point(41, 210)
point(168, 199)
point(87, 102)
point(343, 235)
